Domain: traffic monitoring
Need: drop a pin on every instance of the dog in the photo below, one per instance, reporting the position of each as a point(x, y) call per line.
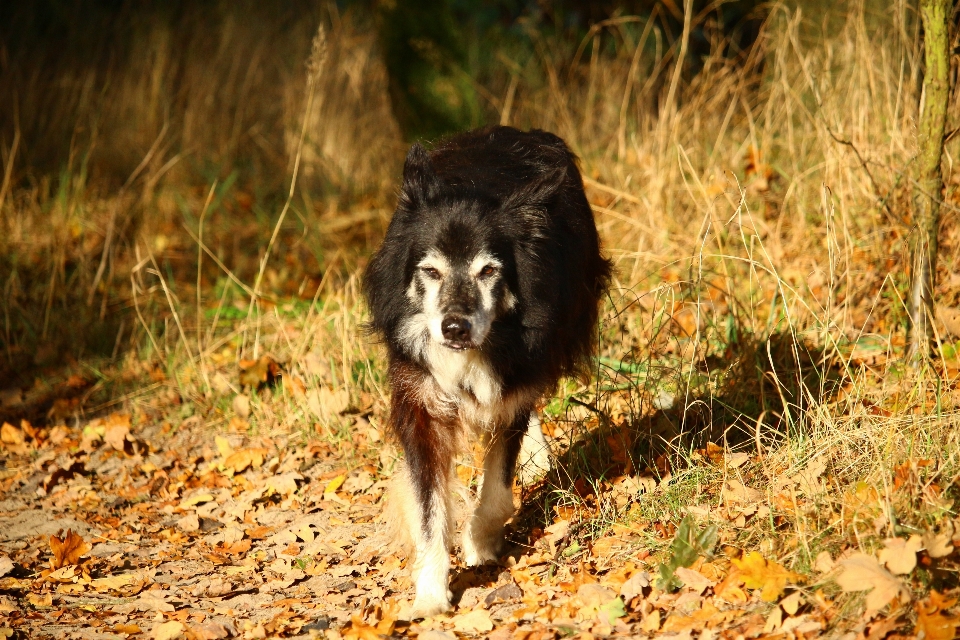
point(486, 291)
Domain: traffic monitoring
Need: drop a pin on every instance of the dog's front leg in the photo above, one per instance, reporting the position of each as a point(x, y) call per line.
point(483, 535)
point(426, 474)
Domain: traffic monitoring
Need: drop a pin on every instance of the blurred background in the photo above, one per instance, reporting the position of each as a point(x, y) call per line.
point(117, 117)
point(175, 169)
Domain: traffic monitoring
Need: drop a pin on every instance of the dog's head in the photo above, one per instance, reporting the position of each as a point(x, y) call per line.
point(459, 265)
point(448, 268)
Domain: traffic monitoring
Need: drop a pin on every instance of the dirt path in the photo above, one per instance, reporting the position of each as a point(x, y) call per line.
point(117, 529)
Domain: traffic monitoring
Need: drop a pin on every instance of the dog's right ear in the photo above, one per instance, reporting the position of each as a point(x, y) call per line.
point(421, 184)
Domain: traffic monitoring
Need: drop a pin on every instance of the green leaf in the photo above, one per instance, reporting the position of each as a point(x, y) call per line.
point(688, 544)
point(614, 609)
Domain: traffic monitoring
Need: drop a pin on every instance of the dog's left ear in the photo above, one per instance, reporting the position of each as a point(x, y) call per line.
point(421, 183)
point(535, 195)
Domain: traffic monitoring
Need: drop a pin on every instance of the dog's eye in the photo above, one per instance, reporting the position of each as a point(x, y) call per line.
point(431, 273)
point(488, 271)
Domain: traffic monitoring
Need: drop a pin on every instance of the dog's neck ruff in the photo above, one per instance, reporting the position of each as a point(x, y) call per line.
point(463, 373)
point(462, 387)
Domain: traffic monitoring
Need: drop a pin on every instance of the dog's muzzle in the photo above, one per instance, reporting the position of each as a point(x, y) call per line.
point(456, 332)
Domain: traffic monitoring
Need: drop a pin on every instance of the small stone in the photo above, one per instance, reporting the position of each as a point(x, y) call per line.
point(503, 593)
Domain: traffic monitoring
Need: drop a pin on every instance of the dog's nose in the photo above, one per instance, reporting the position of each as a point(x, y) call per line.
point(456, 328)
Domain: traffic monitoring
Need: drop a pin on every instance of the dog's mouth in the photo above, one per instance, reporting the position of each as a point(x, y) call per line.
point(459, 345)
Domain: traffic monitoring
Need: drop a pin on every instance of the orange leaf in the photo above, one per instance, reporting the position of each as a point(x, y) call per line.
point(931, 621)
point(936, 626)
point(9, 434)
point(68, 550)
point(759, 573)
point(240, 460)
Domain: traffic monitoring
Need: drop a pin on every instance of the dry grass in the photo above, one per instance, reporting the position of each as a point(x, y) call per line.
point(757, 224)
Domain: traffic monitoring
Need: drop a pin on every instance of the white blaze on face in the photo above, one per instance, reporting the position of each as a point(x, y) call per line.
point(426, 289)
point(430, 274)
point(486, 271)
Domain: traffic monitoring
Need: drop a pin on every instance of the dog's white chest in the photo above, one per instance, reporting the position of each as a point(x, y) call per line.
point(466, 380)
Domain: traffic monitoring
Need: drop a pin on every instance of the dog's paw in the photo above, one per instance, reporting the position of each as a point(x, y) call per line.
point(426, 605)
point(477, 551)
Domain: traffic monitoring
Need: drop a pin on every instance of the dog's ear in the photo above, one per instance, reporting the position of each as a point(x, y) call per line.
point(421, 183)
point(532, 199)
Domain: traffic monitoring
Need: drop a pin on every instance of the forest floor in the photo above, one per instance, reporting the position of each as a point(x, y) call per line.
point(151, 521)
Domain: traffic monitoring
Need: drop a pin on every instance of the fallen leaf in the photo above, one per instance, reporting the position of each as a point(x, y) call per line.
point(10, 434)
point(45, 600)
point(862, 572)
point(595, 595)
point(824, 562)
point(729, 588)
point(116, 430)
point(254, 373)
point(476, 621)
point(326, 403)
point(6, 565)
point(154, 601)
point(209, 631)
point(693, 579)
point(334, 484)
point(613, 610)
point(64, 574)
point(651, 622)
point(791, 604)
point(189, 523)
point(224, 448)
point(359, 482)
point(60, 474)
point(735, 492)
point(774, 620)
point(735, 460)
point(900, 555)
point(240, 460)
point(195, 499)
point(766, 575)
point(635, 485)
point(241, 405)
point(285, 484)
point(939, 545)
point(880, 629)
point(68, 550)
point(808, 481)
point(932, 623)
point(128, 583)
point(168, 630)
point(706, 616)
point(384, 620)
point(634, 586)
point(211, 588)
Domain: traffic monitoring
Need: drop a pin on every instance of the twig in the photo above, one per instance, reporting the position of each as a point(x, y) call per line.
point(884, 203)
point(8, 170)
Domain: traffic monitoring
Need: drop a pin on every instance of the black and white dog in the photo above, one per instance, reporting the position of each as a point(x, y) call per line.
point(486, 290)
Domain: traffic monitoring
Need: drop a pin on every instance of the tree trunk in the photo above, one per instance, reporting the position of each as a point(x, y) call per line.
point(926, 198)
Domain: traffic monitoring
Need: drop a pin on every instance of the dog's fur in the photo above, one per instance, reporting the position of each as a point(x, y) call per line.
point(486, 290)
